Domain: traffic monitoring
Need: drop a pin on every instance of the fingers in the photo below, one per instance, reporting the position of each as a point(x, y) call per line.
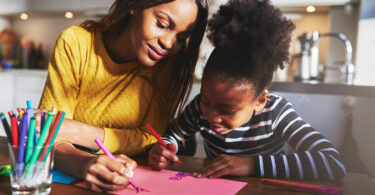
point(159, 156)
point(129, 164)
point(172, 147)
point(156, 164)
point(20, 110)
point(103, 173)
point(94, 183)
point(211, 168)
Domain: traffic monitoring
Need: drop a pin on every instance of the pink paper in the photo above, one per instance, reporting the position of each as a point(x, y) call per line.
point(165, 182)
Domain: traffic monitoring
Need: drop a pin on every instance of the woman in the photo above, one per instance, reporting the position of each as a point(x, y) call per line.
point(135, 66)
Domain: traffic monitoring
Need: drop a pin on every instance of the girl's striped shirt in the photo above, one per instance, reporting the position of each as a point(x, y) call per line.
point(262, 138)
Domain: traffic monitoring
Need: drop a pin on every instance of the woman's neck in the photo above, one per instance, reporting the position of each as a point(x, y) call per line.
point(119, 46)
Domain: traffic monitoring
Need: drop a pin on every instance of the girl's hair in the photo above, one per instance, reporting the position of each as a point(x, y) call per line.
point(251, 39)
point(185, 61)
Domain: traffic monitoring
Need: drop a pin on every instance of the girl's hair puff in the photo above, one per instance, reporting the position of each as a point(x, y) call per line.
point(251, 39)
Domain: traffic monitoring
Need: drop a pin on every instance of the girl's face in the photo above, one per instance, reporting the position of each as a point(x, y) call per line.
point(159, 32)
point(228, 106)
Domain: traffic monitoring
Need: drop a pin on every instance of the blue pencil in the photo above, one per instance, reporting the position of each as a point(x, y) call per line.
point(21, 146)
point(30, 106)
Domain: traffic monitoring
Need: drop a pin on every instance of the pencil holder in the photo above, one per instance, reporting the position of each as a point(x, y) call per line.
point(31, 169)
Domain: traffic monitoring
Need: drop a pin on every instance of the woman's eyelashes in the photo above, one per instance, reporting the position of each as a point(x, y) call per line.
point(181, 37)
point(161, 25)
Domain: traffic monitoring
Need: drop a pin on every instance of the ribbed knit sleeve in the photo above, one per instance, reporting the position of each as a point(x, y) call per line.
point(315, 157)
point(63, 79)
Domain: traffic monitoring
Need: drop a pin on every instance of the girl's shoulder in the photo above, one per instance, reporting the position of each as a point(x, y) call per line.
point(275, 101)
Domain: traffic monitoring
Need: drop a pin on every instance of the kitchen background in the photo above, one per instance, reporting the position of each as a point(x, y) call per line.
point(317, 79)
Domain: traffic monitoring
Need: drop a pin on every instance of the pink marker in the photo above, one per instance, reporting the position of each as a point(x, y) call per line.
point(108, 153)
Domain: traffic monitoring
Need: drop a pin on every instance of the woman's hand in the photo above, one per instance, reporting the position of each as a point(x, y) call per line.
point(37, 114)
point(227, 165)
point(159, 157)
point(103, 173)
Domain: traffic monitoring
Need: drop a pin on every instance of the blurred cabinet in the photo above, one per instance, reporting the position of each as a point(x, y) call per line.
point(18, 86)
point(18, 6)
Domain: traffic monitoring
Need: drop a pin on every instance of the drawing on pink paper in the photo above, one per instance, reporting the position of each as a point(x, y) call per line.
point(179, 176)
point(142, 190)
point(171, 182)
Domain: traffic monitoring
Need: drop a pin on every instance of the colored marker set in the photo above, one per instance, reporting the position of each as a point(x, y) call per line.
point(31, 157)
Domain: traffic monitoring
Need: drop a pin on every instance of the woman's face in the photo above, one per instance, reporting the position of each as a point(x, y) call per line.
point(159, 32)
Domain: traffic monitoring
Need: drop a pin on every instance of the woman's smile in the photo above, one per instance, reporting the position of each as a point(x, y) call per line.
point(155, 53)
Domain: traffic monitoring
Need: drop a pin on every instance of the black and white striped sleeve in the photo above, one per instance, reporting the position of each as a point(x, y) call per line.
point(187, 124)
point(315, 157)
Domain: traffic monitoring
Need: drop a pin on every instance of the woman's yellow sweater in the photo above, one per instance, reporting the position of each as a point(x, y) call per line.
point(84, 82)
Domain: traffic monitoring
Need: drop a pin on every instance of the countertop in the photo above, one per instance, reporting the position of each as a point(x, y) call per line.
point(324, 88)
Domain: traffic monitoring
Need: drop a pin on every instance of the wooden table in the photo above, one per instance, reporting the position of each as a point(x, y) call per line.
point(355, 184)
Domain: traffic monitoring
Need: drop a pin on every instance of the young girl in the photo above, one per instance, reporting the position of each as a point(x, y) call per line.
point(113, 75)
point(243, 126)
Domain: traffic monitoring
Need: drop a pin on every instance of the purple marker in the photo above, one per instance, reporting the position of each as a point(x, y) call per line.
point(22, 141)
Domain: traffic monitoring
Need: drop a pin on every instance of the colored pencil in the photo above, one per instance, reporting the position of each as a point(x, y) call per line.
point(6, 127)
point(14, 126)
point(30, 106)
point(299, 186)
point(55, 135)
point(109, 154)
point(21, 146)
point(39, 145)
point(30, 141)
point(54, 129)
point(10, 113)
point(153, 132)
point(42, 119)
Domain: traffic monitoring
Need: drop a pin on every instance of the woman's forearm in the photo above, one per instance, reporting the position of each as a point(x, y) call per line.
point(80, 133)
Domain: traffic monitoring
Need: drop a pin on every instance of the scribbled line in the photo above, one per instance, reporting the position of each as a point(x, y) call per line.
point(179, 176)
point(142, 190)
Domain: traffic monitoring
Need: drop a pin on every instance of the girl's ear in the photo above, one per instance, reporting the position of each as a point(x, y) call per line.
point(261, 101)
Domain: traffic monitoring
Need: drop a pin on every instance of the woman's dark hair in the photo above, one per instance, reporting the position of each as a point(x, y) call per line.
point(251, 39)
point(185, 61)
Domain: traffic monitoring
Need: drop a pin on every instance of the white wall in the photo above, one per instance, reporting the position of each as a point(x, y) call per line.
point(365, 63)
point(365, 52)
point(4, 23)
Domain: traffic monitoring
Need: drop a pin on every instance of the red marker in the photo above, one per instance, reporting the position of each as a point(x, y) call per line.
point(14, 126)
point(153, 132)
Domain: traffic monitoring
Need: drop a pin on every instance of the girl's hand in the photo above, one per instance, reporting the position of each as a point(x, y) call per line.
point(227, 165)
point(103, 173)
point(159, 157)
